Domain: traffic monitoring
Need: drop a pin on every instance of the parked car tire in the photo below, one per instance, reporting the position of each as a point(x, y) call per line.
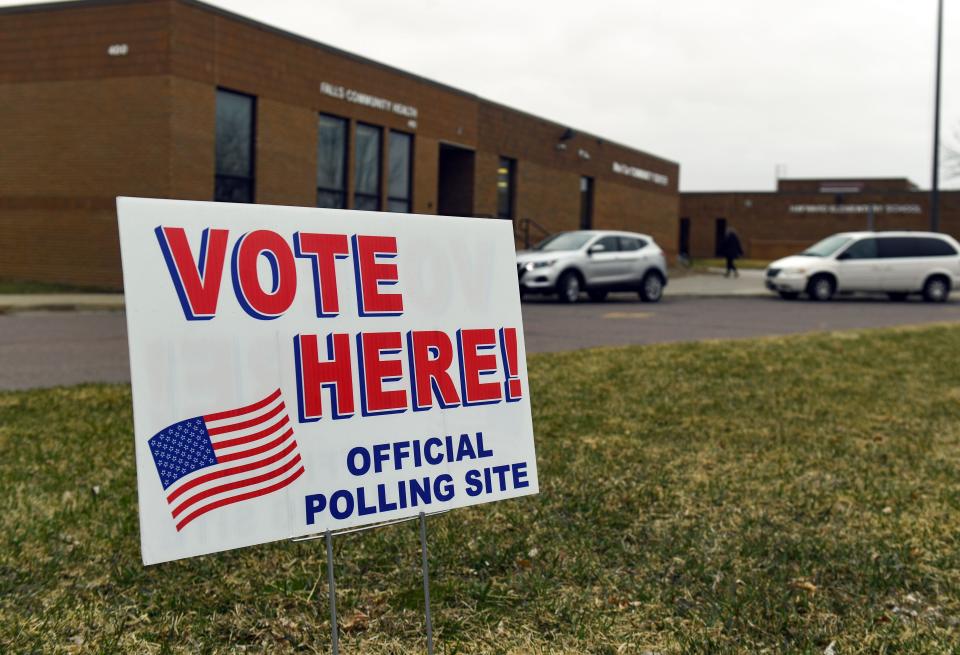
point(597, 295)
point(821, 288)
point(568, 287)
point(897, 296)
point(789, 295)
point(651, 287)
point(936, 289)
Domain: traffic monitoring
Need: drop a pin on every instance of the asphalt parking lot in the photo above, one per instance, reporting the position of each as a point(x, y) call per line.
point(43, 348)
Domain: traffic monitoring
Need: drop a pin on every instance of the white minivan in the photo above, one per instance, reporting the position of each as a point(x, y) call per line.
point(895, 263)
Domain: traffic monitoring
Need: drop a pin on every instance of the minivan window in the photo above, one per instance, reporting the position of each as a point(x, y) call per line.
point(827, 247)
point(564, 241)
point(898, 247)
point(863, 249)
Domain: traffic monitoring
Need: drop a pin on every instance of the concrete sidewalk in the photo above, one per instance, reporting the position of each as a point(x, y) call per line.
point(712, 283)
point(60, 301)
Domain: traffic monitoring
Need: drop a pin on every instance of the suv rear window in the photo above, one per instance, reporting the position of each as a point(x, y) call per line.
point(895, 247)
point(630, 243)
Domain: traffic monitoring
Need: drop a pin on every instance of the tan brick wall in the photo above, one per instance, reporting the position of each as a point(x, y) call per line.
point(192, 128)
point(286, 161)
point(79, 127)
point(69, 148)
point(765, 219)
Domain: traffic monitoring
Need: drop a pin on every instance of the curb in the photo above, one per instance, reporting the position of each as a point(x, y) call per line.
point(66, 303)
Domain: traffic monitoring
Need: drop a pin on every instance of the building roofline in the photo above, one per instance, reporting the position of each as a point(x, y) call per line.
point(226, 13)
point(816, 193)
point(843, 179)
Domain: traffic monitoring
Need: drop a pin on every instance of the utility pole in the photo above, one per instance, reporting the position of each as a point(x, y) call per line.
point(935, 186)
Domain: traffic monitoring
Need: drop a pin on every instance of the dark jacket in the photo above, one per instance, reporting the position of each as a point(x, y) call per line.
point(731, 248)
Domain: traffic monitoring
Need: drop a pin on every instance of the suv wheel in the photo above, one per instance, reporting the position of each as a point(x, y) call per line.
point(651, 287)
point(821, 288)
point(936, 289)
point(568, 287)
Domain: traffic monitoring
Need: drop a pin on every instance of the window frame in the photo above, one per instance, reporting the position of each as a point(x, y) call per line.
point(511, 165)
point(251, 178)
point(409, 186)
point(346, 161)
point(586, 202)
point(378, 168)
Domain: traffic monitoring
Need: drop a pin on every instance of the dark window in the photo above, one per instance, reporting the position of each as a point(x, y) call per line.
point(630, 243)
point(398, 179)
point(234, 147)
point(586, 203)
point(862, 249)
point(719, 236)
point(915, 247)
point(366, 185)
point(332, 162)
point(505, 176)
point(610, 244)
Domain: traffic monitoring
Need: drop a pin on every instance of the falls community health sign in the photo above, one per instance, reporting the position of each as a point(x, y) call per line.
point(297, 370)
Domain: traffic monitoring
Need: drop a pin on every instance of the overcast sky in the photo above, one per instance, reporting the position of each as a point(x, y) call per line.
point(826, 88)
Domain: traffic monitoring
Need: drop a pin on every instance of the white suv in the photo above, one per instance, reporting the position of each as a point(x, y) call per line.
point(597, 261)
point(895, 263)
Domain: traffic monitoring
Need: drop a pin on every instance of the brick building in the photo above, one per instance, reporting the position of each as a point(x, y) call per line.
point(178, 99)
point(802, 211)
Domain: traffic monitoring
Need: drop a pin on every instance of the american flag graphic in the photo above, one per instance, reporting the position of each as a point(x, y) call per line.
point(210, 461)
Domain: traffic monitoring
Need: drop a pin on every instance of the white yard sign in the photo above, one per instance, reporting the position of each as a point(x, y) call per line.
point(296, 370)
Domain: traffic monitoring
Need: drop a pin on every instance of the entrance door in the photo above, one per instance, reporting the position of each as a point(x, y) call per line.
point(586, 203)
point(455, 181)
point(720, 231)
point(685, 237)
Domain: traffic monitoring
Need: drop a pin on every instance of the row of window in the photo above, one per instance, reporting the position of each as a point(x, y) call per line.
point(235, 137)
point(897, 247)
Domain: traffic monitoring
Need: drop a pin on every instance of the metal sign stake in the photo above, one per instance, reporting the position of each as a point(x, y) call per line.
point(426, 580)
point(332, 588)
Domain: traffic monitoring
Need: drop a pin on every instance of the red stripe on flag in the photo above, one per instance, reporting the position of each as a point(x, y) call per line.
point(243, 468)
point(236, 484)
point(256, 451)
point(240, 497)
point(228, 443)
point(230, 413)
point(233, 427)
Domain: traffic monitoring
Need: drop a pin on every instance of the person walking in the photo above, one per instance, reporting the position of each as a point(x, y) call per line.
point(731, 250)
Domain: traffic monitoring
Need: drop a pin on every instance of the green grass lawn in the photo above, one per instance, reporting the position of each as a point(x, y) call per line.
point(774, 496)
point(718, 262)
point(26, 286)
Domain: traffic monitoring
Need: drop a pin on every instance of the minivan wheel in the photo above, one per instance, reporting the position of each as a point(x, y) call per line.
point(568, 287)
point(651, 287)
point(937, 289)
point(820, 288)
